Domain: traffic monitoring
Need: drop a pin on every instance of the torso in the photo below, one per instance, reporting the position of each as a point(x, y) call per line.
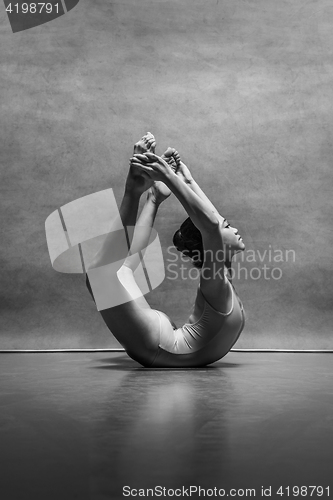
point(207, 337)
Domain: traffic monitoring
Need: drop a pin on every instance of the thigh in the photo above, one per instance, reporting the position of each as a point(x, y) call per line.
point(134, 324)
point(136, 329)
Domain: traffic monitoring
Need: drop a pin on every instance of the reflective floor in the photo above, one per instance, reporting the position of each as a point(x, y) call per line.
point(83, 426)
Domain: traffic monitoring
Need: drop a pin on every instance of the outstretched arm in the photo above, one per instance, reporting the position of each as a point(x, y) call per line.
point(173, 158)
point(197, 208)
point(213, 282)
point(197, 189)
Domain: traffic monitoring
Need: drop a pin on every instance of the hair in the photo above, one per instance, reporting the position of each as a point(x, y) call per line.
point(188, 240)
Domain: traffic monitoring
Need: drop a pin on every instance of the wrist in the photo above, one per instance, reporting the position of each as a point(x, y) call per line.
point(170, 178)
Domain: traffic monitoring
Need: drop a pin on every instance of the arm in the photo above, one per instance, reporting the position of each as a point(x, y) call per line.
point(213, 283)
point(197, 208)
point(214, 287)
point(197, 189)
point(184, 173)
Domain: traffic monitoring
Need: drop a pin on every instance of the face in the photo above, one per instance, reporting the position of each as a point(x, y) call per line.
point(231, 239)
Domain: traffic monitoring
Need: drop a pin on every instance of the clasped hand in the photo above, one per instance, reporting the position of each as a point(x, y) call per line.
point(152, 165)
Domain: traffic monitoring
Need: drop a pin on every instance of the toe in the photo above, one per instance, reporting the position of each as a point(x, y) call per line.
point(169, 152)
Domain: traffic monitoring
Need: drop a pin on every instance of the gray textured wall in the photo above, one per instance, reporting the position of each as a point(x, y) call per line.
point(243, 89)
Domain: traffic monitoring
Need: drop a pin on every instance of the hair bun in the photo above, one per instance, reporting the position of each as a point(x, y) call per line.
point(179, 241)
point(188, 241)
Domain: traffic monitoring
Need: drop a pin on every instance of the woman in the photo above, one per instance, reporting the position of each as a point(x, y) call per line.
point(217, 320)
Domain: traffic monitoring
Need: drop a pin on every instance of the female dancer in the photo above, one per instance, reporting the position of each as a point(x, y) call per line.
point(148, 335)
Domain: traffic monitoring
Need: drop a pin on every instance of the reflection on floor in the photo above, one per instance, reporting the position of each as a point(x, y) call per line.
point(83, 426)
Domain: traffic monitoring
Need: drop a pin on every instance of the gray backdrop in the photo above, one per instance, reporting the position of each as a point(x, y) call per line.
point(242, 88)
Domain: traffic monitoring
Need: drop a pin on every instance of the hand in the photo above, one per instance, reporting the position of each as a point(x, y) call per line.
point(152, 165)
point(159, 192)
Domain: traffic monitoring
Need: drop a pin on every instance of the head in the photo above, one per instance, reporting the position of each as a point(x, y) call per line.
point(188, 240)
point(232, 241)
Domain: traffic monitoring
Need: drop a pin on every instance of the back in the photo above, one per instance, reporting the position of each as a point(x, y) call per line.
point(207, 337)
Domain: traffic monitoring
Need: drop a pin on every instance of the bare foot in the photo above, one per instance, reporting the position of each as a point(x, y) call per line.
point(146, 143)
point(159, 192)
point(138, 182)
point(171, 156)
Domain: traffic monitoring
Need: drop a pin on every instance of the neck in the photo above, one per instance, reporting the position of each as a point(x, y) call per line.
point(227, 268)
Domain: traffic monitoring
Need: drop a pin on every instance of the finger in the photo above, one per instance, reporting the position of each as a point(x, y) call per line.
point(142, 167)
point(152, 156)
point(136, 160)
point(137, 163)
point(141, 157)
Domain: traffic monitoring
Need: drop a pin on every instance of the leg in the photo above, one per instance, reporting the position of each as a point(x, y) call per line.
point(155, 196)
point(133, 322)
point(135, 185)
